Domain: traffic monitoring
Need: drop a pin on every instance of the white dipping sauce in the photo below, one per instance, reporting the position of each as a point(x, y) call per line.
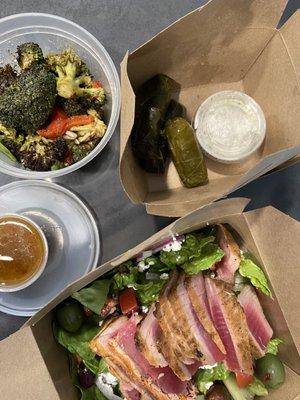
point(230, 126)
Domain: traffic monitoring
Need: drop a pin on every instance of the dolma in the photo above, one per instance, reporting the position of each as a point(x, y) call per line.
point(185, 152)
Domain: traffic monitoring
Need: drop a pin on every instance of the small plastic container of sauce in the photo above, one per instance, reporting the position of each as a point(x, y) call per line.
point(23, 252)
point(230, 126)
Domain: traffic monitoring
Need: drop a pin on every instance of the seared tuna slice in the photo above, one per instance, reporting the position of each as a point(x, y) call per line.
point(199, 340)
point(148, 336)
point(230, 263)
point(196, 289)
point(172, 343)
point(119, 348)
point(230, 322)
point(260, 331)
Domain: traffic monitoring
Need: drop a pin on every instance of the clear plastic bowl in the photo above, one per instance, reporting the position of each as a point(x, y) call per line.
point(53, 34)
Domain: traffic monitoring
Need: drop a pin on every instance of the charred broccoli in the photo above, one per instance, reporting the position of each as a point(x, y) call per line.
point(11, 140)
point(79, 105)
point(7, 76)
point(28, 101)
point(39, 154)
point(29, 53)
point(73, 76)
point(81, 151)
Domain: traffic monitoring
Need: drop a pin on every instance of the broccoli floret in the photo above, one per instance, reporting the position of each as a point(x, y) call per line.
point(39, 154)
point(27, 103)
point(29, 53)
point(80, 105)
point(73, 77)
point(90, 132)
point(57, 165)
point(55, 60)
point(79, 151)
point(11, 140)
point(7, 76)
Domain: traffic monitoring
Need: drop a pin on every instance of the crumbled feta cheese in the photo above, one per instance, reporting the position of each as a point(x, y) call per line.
point(208, 366)
point(164, 276)
point(208, 385)
point(142, 266)
point(106, 382)
point(108, 378)
point(174, 246)
point(151, 276)
point(144, 309)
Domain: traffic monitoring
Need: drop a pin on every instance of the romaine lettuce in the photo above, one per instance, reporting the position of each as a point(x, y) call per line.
point(254, 273)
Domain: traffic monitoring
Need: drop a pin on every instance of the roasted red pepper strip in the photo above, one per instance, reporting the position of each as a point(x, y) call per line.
point(60, 123)
point(78, 120)
point(96, 84)
point(57, 126)
point(128, 302)
point(243, 380)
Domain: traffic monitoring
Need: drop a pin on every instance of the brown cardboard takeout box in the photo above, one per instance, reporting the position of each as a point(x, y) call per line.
point(227, 44)
point(33, 366)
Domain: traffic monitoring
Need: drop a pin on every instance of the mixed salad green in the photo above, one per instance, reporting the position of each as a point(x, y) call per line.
point(51, 109)
point(133, 287)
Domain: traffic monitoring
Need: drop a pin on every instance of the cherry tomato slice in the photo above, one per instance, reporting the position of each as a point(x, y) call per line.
point(128, 301)
point(243, 380)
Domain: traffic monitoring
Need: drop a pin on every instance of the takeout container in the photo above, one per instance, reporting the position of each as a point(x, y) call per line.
point(34, 366)
point(225, 45)
point(54, 33)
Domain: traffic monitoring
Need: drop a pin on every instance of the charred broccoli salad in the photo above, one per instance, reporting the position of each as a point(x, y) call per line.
point(50, 109)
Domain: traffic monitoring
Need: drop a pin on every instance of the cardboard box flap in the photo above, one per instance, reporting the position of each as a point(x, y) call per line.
point(291, 36)
point(24, 374)
point(271, 229)
point(128, 165)
point(267, 164)
point(208, 43)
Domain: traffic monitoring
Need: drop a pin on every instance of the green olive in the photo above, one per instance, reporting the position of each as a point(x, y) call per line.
point(70, 316)
point(270, 370)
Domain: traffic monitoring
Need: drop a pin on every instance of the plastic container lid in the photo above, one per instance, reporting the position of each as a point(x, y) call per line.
point(71, 233)
point(53, 34)
point(230, 126)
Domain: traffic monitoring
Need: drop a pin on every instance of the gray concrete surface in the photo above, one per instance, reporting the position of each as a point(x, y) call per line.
point(122, 25)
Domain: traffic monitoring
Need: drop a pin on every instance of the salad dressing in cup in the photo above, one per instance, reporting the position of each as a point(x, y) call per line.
point(23, 252)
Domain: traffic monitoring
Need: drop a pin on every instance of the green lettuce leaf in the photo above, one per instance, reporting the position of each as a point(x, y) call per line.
point(210, 254)
point(254, 273)
point(94, 296)
point(121, 280)
point(7, 152)
point(205, 376)
point(148, 292)
point(92, 393)
point(156, 265)
point(273, 345)
point(78, 342)
point(197, 254)
point(258, 388)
